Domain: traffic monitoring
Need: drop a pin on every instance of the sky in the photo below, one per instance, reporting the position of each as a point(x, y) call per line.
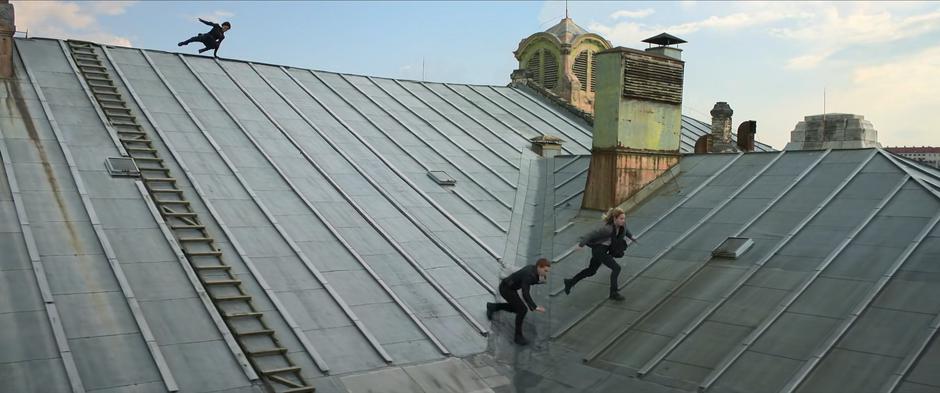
point(773, 62)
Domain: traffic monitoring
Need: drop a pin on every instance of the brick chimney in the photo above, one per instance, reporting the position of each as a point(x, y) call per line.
point(7, 29)
point(720, 141)
point(637, 123)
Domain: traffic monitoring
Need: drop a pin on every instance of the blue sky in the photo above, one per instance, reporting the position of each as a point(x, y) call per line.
point(769, 61)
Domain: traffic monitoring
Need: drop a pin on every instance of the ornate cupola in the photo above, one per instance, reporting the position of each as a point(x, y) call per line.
point(561, 60)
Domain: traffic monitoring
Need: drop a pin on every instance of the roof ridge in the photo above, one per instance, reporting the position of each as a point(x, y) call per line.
point(237, 60)
point(908, 169)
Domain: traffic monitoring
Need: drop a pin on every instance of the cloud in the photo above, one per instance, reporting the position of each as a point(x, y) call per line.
point(836, 29)
point(635, 14)
point(629, 32)
point(214, 16)
point(64, 19)
point(898, 97)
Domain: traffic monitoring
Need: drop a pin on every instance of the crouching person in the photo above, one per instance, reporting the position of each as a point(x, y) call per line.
point(522, 280)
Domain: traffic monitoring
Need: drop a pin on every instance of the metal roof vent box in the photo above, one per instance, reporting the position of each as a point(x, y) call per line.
point(122, 166)
point(442, 178)
point(733, 247)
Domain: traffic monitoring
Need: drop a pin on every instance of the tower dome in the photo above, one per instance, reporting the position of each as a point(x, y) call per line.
point(561, 61)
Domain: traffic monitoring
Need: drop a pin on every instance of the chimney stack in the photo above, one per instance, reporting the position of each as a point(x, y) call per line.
point(721, 129)
point(746, 133)
point(637, 122)
point(663, 48)
point(7, 29)
point(546, 145)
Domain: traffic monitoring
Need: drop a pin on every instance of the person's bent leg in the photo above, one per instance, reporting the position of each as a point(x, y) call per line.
point(586, 272)
point(614, 276)
point(519, 308)
point(189, 41)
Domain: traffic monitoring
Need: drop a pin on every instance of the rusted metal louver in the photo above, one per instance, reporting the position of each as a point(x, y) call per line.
point(652, 78)
point(580, 69)
point(533, 67)
point(549, 70)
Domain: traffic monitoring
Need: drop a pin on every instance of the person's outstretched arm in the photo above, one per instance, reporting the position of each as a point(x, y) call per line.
point(206, 22)
point(629, 235)
point(218, 44)
point(526, 296)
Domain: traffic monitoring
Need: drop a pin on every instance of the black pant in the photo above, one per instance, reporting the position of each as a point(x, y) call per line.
point(204, 39)
point(514, 305)
point(598, 256)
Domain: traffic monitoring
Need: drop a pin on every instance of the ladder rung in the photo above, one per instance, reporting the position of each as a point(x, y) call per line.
point(197, 239)
point(180, 214)
point(204, 254)
point(223, 282)
point(285, 381)
point(126, 116)
point(262, 332)
point(148, 159)
point(146, 149)
point(110, 83)
point(104, 99)
point(97, 78)
point(188, 226)
point(173, 190)
point(280, 370)
point(160, 179)
point(159, 169)
point(305, 389)
point(123, 123)
point(269, 351)
point(243, 315)
point(121, 108)
point(164, 202)
point(215, 267)
point(79, 61)
point(138, 140)
point(231, 298)
point(97, 66)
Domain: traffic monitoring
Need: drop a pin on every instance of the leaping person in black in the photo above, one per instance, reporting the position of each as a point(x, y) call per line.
point(521, 279)
point(212, 39)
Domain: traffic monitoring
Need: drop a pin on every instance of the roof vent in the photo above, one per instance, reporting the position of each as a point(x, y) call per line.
point(122, 167)
point(442, 178)
point(733, 247)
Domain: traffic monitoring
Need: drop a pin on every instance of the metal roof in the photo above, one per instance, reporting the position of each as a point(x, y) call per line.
point(838, 293)
point(315, 188)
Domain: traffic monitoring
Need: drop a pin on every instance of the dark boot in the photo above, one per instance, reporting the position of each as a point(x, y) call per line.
point(616, 296)
point(520, 340)
point(568, 286)
point(204, 49)
point(490, 309)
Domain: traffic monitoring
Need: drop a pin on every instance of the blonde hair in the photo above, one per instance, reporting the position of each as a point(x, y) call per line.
point(612, 214)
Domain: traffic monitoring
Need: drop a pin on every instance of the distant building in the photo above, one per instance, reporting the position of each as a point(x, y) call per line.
point(925, 154)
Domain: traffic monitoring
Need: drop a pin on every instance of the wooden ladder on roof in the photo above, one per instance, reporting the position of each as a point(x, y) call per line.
point(256, 339)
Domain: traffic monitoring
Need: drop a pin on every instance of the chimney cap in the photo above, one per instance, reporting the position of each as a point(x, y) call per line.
point(546, 140)
point(665, 39)
point(721, 109)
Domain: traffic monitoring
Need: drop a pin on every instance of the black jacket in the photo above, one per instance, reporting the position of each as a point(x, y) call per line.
point(522, 279)
point(216, 34)
point(601, 236)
